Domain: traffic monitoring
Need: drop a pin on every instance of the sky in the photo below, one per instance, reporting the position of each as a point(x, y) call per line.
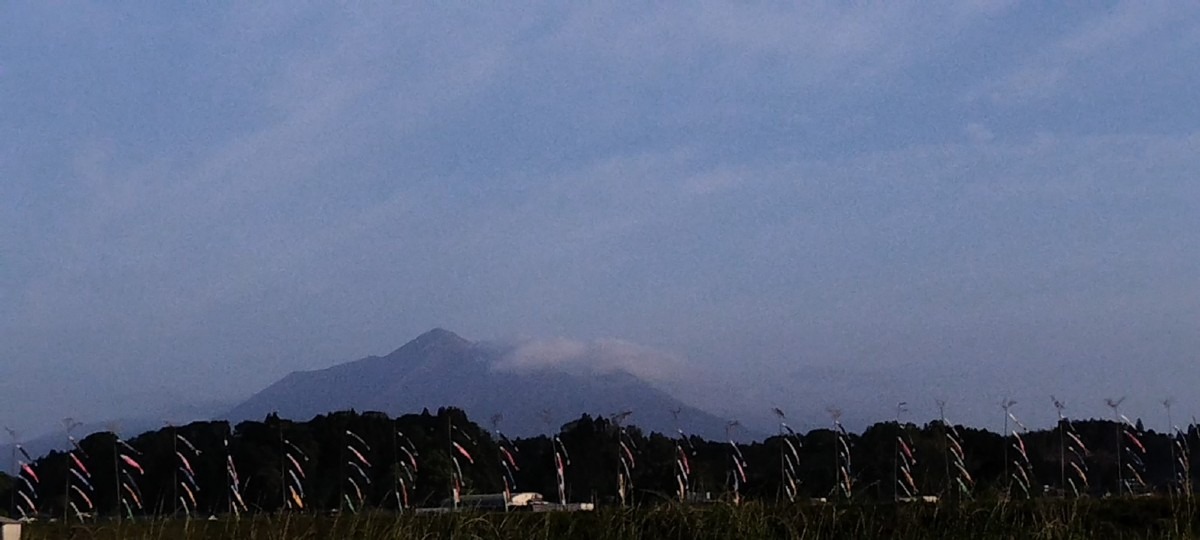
point(798, 206)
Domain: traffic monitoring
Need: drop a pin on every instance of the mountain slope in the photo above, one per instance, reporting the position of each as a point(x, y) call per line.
point(440, 369)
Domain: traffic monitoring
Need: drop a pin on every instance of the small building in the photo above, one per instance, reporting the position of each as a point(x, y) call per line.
point(497, 501)
point(9, 529)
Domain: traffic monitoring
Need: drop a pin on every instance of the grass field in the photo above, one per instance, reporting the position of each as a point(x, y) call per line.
point(1149, 518)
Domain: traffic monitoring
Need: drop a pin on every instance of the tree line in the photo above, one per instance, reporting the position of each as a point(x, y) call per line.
point(424, 455)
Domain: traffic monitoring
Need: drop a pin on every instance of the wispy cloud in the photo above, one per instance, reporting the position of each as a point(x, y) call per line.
point(1108, 44)
point(597, 357)
point(226, 196)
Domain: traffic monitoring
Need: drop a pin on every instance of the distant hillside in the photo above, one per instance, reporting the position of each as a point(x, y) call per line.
point(56, 439)
point(439, 368)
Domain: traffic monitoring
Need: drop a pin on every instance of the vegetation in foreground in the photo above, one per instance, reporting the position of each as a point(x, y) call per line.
point(1131, 518)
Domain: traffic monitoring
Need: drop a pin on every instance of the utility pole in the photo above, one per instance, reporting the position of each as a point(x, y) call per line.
point(175, 471)
point(283, 488)
point(941, 405)
point(1114, 404)
point(896, 455)
point(112, 428)
point(453, 461)
point(1062, 444)
point(1171, 428)
point(1006, 405)
point(16, 470)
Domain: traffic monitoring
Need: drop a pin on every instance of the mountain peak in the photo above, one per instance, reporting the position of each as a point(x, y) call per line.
point(438, 336)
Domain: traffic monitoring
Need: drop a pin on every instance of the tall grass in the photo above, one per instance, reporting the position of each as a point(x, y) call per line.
point(1148, 518)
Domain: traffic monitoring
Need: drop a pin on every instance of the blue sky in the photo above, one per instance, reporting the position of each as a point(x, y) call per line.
point(807, 206)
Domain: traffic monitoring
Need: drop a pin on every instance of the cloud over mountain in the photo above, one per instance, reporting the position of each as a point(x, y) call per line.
point(600, 357)
point(553, 381)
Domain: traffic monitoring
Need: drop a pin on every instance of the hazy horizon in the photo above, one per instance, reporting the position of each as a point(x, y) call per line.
point(758, 205)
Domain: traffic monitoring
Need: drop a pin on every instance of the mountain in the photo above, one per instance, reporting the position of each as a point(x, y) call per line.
point(439, 368)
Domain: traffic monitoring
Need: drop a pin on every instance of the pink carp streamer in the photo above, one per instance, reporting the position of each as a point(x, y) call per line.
point(626, 463)
point(1073, 454)
point(357, 476)
point(189, 499)
point(956, 457)
point(457, 450)
point(406, 473)
point(1131, 453)
point(844, 485)
point(79, 494)
point(905, 458)
point(128, 472)
point(294, 475)
point(789, 459)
